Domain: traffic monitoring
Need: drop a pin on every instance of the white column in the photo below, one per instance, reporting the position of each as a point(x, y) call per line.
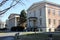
point(1, 25)
point(46, 19)
point(39, 29)
point(15, 22)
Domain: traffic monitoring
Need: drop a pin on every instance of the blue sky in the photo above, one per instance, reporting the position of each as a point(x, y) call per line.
point(17, 9)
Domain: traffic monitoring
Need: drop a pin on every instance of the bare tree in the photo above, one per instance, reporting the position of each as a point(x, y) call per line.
point(12, 5)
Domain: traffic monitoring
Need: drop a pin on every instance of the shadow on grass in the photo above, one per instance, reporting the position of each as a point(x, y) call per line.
point(39, 36)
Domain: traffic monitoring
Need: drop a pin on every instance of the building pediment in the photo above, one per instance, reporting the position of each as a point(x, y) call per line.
point(34, 5)
point(13, 15)
point(42, 2)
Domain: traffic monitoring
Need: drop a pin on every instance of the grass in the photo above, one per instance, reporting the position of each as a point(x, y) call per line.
point(56, 37)
point(39, 36)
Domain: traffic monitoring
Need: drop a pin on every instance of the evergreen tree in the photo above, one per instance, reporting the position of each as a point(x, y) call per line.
point(23, 18)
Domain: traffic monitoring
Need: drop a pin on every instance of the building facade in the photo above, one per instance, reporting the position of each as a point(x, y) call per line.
point(43, 16)
point(2, 24)
point(12, 21)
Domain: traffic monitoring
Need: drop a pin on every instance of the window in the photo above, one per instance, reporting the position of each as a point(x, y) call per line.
point(34, 13)
point(30, 13)
point(50, 30)
point(53, 11)
point(40, 11)
point(48, 10)
point(59, 22)
point(40, 21)
point(49, 21)
point(59, 13)
point(54, 21)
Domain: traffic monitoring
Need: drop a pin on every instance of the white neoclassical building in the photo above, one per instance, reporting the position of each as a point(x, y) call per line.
point(2, 24)
point(13, 20)
point(43, 16)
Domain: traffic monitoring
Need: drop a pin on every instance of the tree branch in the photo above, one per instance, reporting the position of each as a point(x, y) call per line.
point(3, 2)
point(5, 10)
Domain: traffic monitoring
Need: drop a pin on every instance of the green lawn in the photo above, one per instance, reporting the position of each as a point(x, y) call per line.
point(39, 36)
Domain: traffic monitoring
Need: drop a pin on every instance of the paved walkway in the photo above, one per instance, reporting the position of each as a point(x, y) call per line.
point(10, 35)
point(7, 36)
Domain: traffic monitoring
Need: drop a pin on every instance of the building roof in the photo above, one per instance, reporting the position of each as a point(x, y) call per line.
point(13, 14)
point(45, 2)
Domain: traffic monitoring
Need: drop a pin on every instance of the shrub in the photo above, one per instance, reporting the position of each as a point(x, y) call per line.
point(20, 28)
point(17, 28)
point(13, 29)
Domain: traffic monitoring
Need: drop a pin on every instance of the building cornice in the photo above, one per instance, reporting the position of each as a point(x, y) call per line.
point(43, 2)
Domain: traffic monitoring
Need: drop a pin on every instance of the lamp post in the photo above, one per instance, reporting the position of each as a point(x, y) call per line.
point(50, 34)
